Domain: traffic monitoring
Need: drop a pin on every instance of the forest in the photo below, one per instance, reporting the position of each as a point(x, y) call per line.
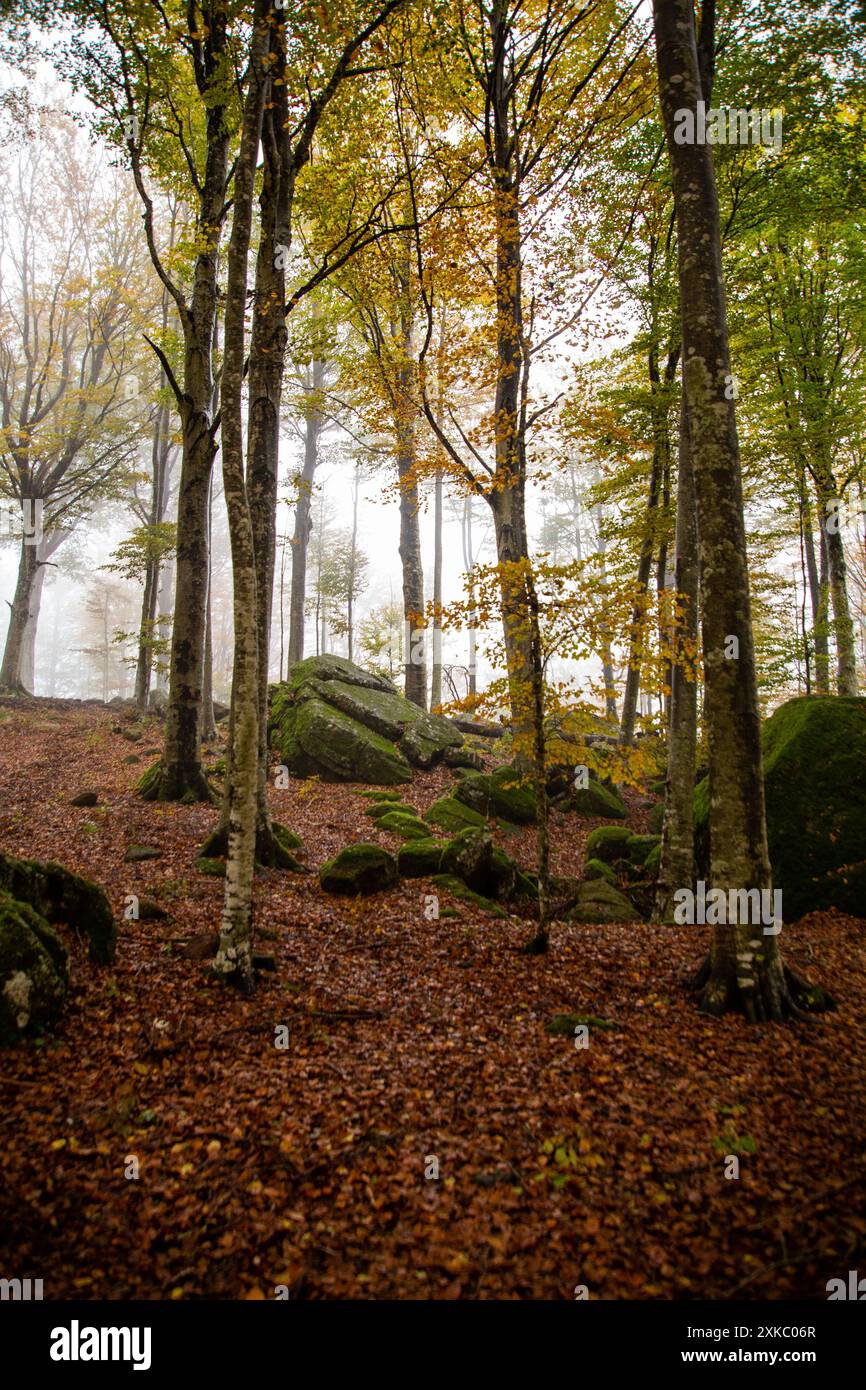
point(433, 631)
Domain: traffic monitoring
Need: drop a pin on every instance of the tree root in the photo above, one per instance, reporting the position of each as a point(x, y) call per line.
point(272, 846)
point(776, 995)
point(158, 784)
point(537, 946)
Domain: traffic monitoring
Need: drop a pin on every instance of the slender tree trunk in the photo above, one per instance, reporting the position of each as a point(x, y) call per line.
point(843, 626)
point(745, 969)
point(660, 461)
point(234, 956)
point(818, 591)
point(436, 678)
point(313, 422)
point(472, 614)
point(164, 609)
point(677, 868)
point(353, 553)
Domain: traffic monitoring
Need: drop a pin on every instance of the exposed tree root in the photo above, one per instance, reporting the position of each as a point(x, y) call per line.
point(162, 784)
point(772, 995)
point(537, 946)
point(272, 846)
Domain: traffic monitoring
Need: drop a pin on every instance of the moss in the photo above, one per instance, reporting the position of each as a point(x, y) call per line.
point(408, 827)
point(653, 862)
point(59, 895)
point(597, 800)
point(383, 808)
point(598, 901)
point(344, 750)
point(814, 752)
point(639, 847)
point(505, 792)
point(215, 868)
point(657, 818)
point(607, 842)
point(33, 971)
point(359, 869)
point(453, 815)
point(287, 838)
point(458, 889)
point(596, 868)
point(420, 858)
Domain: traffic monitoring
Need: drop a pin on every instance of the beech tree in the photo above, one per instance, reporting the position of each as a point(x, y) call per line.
point(742, 972)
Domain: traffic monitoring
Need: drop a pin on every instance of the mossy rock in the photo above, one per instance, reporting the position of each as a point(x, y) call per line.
point(505, 792)
point(453, 815)
point(607, 842)
point(420, 858)
point(59, 895)
point(359, 869)
point(597, 800)
point(469, 856)
point(657, 818)
point(377, 795)
point(653, 862)
point(639, 847)
point(384, 808)
point(814, 751)
point(458, 889)
point(599, 901)
point(139, 854)
point(596, 868)
point(33, 971)
point(333, 720)
point(407, 826)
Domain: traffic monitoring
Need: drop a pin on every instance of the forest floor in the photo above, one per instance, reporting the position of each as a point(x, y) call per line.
point(409, 1039)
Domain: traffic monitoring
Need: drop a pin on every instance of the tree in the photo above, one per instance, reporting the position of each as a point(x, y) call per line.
point(72, 296)
point(741, 973)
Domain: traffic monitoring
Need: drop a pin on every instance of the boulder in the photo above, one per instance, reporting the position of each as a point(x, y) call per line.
point(639, 847)
point(359, 869)
point(596, 868)
point(85, 798)
point(469, 856)
point(333, 720)
point(32, 970)
point(420, 858)
point(61, 896)
point(815, 788)
point(408, 827)
point(384, 808)
point(452, 815)
point(597, 800)
point(600, 901)
point(608, 843)
point(505, 793)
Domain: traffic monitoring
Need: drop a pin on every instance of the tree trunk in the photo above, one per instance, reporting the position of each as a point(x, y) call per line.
point(436, 677)
point(19, 616)
point(818, 600)
point(313, 422)
point(843, 626)
point(234, 956)
point(660, 460)
point(677, 868)
point(745, 969)
point(180, 772)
